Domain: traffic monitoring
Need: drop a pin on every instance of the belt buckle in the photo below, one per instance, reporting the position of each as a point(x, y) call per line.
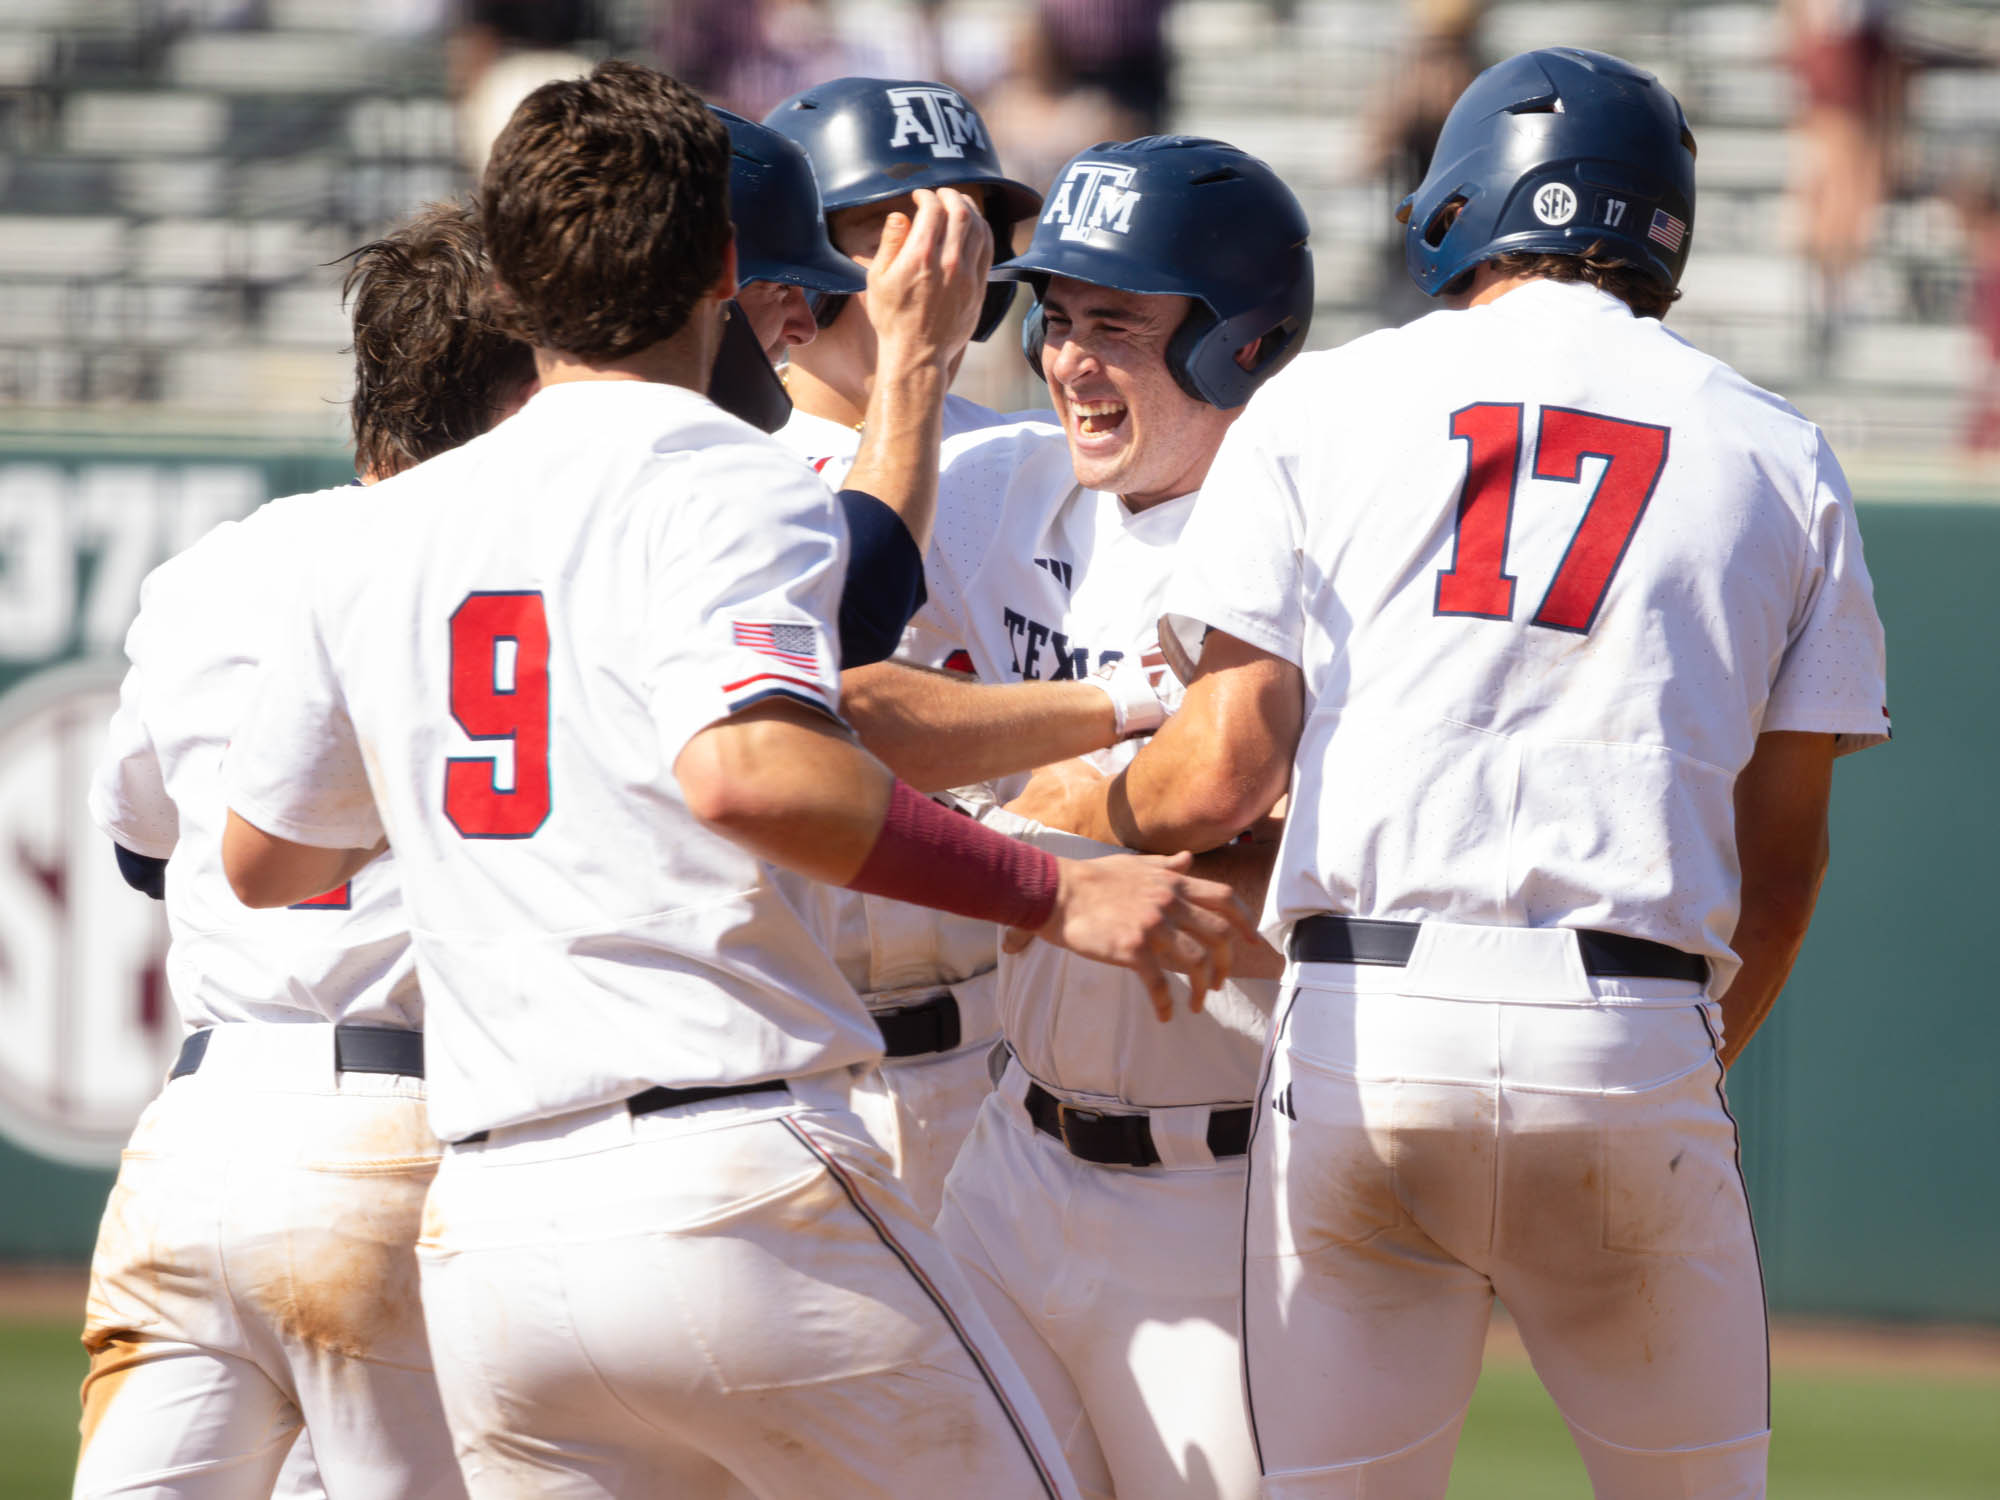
point(1067, 1112)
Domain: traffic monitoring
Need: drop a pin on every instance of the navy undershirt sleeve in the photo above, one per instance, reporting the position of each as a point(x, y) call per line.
point(885, 580)
point(144, 873)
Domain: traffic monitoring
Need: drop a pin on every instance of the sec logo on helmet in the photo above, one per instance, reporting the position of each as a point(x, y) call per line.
point(1555, 204)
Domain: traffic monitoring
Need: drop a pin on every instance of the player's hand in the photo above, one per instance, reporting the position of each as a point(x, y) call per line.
point(927, 281)
point(1143, 912)
point(1061, 796)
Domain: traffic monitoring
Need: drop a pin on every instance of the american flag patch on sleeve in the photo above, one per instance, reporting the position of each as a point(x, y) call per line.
point(1667, 230)
point(794, 645)
point(790, 668)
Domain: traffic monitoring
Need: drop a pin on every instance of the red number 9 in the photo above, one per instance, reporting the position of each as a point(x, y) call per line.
point(500, 691)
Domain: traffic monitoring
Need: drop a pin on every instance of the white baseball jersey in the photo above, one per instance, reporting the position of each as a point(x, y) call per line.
point(830, 446)
point(1548, 571)
point(498, 667)
point(1036, 578)
point(205, 617)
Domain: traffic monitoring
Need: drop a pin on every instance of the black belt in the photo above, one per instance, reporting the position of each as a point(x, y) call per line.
point(1125, 1140)
point(916, 1030)
point(652, 1101)
point(356, 1049)
point(1329, 939)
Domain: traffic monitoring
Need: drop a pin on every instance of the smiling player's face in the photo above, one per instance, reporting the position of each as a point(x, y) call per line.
point(1132, 430)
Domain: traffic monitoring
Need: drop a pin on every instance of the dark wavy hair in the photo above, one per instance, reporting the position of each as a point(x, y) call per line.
point(1639, 289)
point(431, 369)
point(607, 211)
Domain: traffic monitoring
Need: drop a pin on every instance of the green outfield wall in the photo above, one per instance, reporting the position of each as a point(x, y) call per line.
point(1869, 1107)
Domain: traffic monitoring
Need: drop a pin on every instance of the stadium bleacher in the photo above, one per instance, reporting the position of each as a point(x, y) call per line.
point(172, 188)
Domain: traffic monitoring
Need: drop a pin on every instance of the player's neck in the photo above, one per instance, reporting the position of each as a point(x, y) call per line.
point(1489, 285)
point(686, 359)
point(833, 376)
point(816, 396)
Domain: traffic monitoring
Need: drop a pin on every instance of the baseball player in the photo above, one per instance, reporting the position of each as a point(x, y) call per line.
point(929, 284)
point(257, 1263)
point(1097, 1200)
point(877, 147)
point(586, 696)
point(872, 143)
point(1556, 626)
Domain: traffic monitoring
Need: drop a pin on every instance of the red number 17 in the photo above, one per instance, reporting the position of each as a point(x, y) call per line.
point(1477, 582)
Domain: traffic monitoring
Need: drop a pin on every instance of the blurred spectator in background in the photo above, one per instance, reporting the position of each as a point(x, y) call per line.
point(1978, 202)
point(748, 55)
point(1041, 116)
point(1442, 56)
point(1117, 46)
point(501, 51)
point(1851, 80)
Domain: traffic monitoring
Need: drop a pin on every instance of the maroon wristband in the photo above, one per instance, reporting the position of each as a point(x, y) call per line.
point(930, 856)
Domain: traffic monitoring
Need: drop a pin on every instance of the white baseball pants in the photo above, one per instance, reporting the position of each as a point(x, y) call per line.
point(730, 1295)
point(256, 1268)
point(1117, 1289)
point(921, 1109)
point(1413, 1156)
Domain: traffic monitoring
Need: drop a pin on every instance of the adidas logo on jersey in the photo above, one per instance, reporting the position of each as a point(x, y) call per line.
point(937, 118)
point(1063, 573)
point(1093, 196)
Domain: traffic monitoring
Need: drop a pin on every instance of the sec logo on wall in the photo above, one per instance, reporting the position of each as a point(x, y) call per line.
point(89, 1025)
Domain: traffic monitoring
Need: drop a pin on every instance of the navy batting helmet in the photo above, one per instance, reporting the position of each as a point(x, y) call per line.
point(774, 204)
point(872, 139)
point(1194, 217)
point(1555, 151)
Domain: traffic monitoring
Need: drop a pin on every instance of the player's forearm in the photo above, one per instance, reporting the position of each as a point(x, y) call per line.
point(939, 730)
point(1777, 910)
point(1220, 763)
point(1782, 848)
point(898, 459)
point(1187, 790)
point(1245, 868)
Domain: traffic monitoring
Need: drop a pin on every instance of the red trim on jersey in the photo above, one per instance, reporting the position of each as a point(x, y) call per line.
point(730, 687)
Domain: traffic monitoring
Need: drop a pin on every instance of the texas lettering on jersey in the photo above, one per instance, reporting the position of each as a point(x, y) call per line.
point(1037, 647)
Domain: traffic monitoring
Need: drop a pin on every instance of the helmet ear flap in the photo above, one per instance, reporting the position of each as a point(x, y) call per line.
point(993, 311)
point(1184, 349)
point(1034, 333)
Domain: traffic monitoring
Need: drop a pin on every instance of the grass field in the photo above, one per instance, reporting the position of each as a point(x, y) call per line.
point(1846, 1436)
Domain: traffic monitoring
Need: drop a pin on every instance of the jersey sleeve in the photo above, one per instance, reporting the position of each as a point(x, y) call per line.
point(1833, 676)
point(128, 793)
point(753, 557)
point(885, 580)
point(295, 767)
point(1237, 566)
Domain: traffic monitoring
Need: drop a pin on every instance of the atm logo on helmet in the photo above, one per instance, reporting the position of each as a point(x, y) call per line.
point(937, 118)
point(1093, 195)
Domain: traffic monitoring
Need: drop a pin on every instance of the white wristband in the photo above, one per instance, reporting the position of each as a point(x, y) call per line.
point(1135, 707)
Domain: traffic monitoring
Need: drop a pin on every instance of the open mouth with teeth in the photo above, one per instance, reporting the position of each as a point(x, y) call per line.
point(1098, 417)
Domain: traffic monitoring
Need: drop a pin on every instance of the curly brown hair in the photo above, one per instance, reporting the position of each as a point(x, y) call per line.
point(1641, 290)
point(430, 368)
point(607, 211)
